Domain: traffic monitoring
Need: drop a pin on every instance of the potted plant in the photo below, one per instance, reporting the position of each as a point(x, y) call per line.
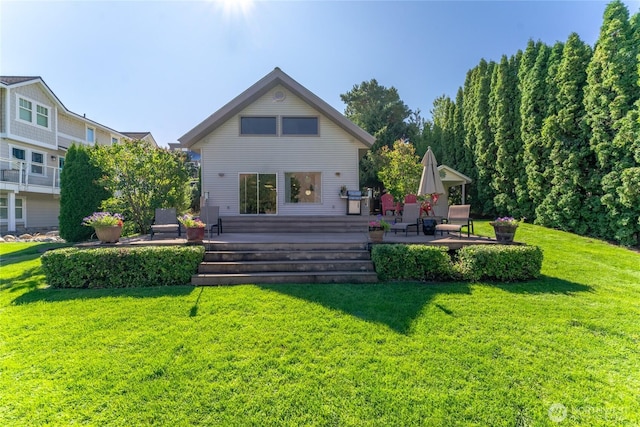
point(108, 226)
point(343, 190)
point(194, 227)
point(505, 228)
point(377, 229)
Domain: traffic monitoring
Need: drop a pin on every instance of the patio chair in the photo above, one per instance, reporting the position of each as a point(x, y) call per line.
point(387, 203)
point(165, 221)
point(211, 216)
point(457, 218)
point(410, 218)
point(410, 198)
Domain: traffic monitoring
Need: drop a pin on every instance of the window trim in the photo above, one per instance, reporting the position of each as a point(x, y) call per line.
point(43, 165)
point(282, 119)
point(34, 112)
point(86, 134)
point(287, 191)
point(23, 207)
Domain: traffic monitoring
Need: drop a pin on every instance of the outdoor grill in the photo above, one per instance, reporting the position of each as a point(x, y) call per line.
point(353, 202)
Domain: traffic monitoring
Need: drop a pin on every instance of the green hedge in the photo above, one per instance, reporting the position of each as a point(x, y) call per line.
point(505, 263)
point(412, 262)
point(492, 262)
point(121, 267)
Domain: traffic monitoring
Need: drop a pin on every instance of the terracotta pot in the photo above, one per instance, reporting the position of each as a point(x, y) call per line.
point(109, 234)
point(195, 234)
point(376, 236)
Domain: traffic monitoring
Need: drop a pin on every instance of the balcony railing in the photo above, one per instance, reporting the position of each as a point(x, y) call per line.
point(22, 173)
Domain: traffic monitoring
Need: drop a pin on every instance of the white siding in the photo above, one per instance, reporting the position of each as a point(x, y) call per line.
point(42, 210)
point(3, 125)
point(33, 92)
point(225, 152)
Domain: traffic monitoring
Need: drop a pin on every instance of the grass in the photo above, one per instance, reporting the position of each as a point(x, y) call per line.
point(455, 354)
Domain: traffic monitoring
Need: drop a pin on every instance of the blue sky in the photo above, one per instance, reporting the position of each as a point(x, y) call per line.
point(165, 66)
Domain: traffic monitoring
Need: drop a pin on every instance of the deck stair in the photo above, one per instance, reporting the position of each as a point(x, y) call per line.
point(228, 263)
point(295, 224)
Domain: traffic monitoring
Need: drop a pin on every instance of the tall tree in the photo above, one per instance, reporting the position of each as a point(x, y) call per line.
point(401, 171)
point(468, 161)
point(485, 150)
point(610, 94)
point(80, 193)
point(565, 205)
point(381, 112)
point(458, 132)
point(531, 74)
point(508, 181)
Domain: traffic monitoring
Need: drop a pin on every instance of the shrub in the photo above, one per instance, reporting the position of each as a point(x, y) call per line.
point(412, 262)
point(121, 267)
point(499, 262)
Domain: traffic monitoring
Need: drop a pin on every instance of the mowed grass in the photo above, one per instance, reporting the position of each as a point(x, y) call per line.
point(392, 354)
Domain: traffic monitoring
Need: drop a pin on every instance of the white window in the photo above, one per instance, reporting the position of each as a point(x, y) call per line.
point(114, 140)
point(26, 110)
point(60, 162)
point(4, 209)
point(38, 116)
point(91, 134)
point(42, 116)
point(18, 153)
point(37, 163)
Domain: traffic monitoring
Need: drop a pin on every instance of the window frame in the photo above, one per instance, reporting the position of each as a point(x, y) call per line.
point(317, 187)
point(86, 134)
point(284, 133)
point(34, 112)
point(24, 153)
point(275, 120)
point(33, 163)
point(5, 207)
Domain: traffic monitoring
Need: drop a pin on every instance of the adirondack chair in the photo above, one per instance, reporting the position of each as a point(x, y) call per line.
point(387, 203)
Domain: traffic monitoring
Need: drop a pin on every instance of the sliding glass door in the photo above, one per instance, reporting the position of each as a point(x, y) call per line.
point(258, 193)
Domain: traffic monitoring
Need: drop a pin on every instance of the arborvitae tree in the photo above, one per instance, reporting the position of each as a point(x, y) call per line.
point(80, 193)
point(468, 162)
point(610, 94)
point(458, 132)
point(551, 81)
point(485, 152)
point(565, 205)
point(509, 183)
point(442, 114)
point(532, 114)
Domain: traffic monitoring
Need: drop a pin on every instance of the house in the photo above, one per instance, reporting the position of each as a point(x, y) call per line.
point(36, 130)
point(277, 149)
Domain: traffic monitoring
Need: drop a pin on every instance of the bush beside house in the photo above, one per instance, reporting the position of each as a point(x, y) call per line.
point(121, 267)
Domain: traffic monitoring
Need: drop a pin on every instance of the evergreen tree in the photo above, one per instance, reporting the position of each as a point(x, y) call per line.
point(485, 151)
point(507, 181)
point(458, 132)
point(467, 165)
point(565, 205)
point(80, 193)
point(610, 94)
point(532, 114)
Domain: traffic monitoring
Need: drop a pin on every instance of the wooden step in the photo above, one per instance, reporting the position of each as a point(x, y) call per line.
point(313, 266)
point(284, 278)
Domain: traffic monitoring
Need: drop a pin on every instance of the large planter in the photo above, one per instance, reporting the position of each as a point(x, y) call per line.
point(504, 234)
point(109, 234)
point(195, 234)
point(376, 235)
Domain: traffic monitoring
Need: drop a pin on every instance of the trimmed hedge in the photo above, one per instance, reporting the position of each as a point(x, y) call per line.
point(504, 263)
point(491, 262)
point(121, 267)
point(412, 262)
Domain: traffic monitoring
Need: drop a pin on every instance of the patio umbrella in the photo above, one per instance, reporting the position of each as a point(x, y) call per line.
point(430, 183)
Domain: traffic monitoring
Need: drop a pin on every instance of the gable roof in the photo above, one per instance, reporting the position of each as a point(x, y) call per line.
point(261, 87)
point(12, 80)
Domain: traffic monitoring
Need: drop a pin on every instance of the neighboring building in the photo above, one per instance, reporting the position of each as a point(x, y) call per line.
point(278, 149)
point(36, 130)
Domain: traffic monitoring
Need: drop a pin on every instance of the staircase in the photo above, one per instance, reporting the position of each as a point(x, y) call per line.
point(295, 224)
point(232, 263)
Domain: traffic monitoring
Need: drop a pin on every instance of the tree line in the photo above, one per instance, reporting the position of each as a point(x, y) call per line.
point(550, 134)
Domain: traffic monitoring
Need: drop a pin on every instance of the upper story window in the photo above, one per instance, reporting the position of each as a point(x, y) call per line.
point(26, 110)
point(60, 162)
point(91, 134)
point(300, 126)
point(37, 163)
point(114, 140)
point(258, 126)
point(27, 114)
point(18, 153)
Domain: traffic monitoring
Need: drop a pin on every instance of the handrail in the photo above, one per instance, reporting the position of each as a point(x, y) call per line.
point(22, 173)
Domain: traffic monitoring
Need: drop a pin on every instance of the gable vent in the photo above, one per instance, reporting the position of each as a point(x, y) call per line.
point(279, 96)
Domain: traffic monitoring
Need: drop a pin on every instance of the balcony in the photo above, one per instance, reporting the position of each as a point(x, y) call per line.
point(19, 176)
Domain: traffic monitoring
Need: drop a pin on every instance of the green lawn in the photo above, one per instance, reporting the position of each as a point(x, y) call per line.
point(405, 354)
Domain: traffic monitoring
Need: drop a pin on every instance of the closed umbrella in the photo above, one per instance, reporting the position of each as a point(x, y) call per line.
point(430, 183)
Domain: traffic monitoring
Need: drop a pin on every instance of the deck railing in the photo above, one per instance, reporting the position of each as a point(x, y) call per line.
point(24, 173)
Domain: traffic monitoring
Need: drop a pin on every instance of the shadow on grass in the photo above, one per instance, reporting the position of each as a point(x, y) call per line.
point(397, 305)
point(29, 279)
point(393, 304)
point(29, 253)
point(57, 295)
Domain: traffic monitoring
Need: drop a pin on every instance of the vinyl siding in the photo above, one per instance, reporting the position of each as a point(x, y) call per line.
point(3, 125)
point(42, 210)
point(225, 152)
point(71, 126)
